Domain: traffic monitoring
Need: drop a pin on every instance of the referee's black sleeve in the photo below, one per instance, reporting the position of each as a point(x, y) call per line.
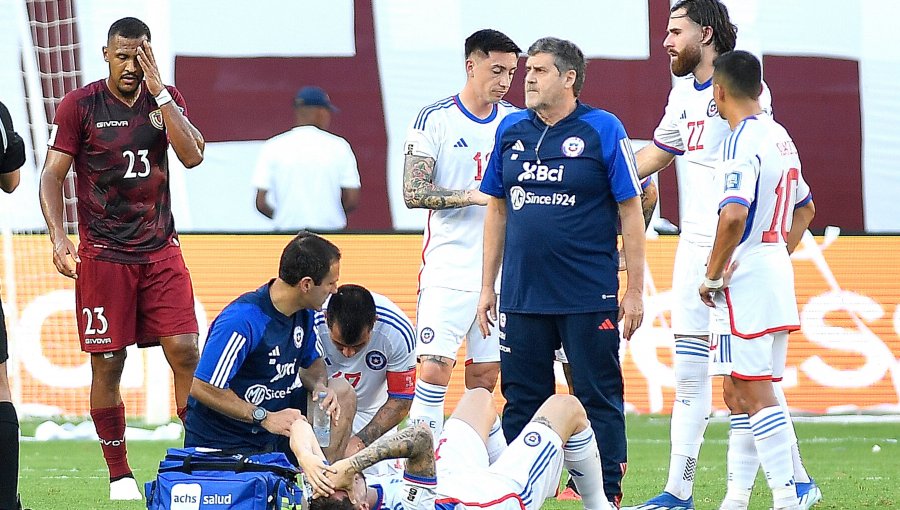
point(12, 155)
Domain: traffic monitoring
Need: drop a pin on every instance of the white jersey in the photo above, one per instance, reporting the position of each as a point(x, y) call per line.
point(392, 491)
point(386, 366)
point(761, 171)
point(304, 171)
point(691, 128)
point(460, 144)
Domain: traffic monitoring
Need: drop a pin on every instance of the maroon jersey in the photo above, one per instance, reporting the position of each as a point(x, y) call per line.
point(121, 173)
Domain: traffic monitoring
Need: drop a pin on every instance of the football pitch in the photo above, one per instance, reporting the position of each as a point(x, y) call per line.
point(68, 475)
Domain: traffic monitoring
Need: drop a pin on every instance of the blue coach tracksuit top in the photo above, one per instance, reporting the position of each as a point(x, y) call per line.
point(562, 185)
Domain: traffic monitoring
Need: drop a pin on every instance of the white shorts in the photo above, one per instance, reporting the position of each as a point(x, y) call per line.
point(444, 317)
point(720, 353)
point(525, 474)
point(689, 315)
point(761, 296)
point(759, 359)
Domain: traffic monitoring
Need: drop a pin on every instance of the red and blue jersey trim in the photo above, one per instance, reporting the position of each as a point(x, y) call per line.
point(668, 148)
point(734, 200)
point(450, 503)
point(750, 336)
point(471, 116)
point(427, 481)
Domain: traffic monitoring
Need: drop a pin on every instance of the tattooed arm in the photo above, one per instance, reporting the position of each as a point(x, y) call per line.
point(388, 416)
point(419, 190)
point(649, 198)
point(412, 443)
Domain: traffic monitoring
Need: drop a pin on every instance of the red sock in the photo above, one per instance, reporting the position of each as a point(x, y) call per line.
point(182, 414)
point(110, 425)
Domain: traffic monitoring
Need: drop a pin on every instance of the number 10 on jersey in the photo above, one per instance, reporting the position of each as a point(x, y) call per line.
point(783, 204)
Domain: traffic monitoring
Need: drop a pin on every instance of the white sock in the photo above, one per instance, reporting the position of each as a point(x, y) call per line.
point(428, 406)
point(690, 413)
point(800, 474)
point(496, 442)
point(582, 458)
point(743, 463)
point(773, 446)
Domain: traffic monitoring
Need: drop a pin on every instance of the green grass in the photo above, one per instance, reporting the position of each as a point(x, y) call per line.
point(68, 475)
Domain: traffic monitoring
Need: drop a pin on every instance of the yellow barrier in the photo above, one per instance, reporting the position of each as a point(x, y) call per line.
point(845, 357)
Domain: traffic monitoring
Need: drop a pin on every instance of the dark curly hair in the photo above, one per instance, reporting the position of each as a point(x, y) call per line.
point(714, 14)
point(331, 503)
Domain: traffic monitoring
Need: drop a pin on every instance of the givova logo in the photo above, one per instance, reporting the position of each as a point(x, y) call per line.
point(185, 496)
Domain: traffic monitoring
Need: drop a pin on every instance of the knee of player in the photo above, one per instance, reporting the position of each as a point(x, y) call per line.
point(106, 364)
point(730, 403)
point(482, 375)
point(564, 406)
point(181, 351)
point(435, 369)
point(732, 399)
point(345, 394)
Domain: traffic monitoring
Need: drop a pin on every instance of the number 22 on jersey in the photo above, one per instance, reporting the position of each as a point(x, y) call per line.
point(696, 132)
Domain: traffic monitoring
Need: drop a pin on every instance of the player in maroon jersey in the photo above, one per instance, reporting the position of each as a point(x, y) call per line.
point(131, 283)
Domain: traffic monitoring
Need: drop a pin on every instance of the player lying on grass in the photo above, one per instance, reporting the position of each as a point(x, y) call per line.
point(466, 468)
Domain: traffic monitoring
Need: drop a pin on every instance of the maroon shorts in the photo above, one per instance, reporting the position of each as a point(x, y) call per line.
point(122, 304)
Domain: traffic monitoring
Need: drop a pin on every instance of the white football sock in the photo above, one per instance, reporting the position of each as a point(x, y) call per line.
point(428, 406)
point(773, 447)
point(800, 474)
point(582, 458)
point(496, 442)
point(690, 413)
point(743, 463)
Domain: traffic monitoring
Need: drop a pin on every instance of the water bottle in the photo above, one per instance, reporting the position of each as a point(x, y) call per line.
point(321, 422)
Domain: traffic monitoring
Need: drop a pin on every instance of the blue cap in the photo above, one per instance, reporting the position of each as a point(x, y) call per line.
point(313, 96)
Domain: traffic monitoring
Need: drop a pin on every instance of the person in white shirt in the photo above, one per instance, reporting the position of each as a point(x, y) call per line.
point(698, 32)
point(307, 178)
point(367, 339)
point(446, 152)
point(765, 207)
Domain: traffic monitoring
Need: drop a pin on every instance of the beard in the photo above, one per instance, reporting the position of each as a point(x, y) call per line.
point(686, 61)
point(535, 102)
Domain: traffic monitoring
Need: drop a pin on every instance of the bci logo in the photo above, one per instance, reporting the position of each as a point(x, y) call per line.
point(532, 172)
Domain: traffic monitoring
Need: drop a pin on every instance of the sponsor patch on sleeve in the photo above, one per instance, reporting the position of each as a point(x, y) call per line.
point(732, 181)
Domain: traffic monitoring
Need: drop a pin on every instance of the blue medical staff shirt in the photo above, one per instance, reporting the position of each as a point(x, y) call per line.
point(255, 351)
point(562, 185)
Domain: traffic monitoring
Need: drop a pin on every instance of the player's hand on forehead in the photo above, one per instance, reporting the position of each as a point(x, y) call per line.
point(151, 71)
point(343, 476)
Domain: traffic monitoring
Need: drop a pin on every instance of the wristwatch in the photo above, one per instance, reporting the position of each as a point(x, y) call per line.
point(259, 414)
